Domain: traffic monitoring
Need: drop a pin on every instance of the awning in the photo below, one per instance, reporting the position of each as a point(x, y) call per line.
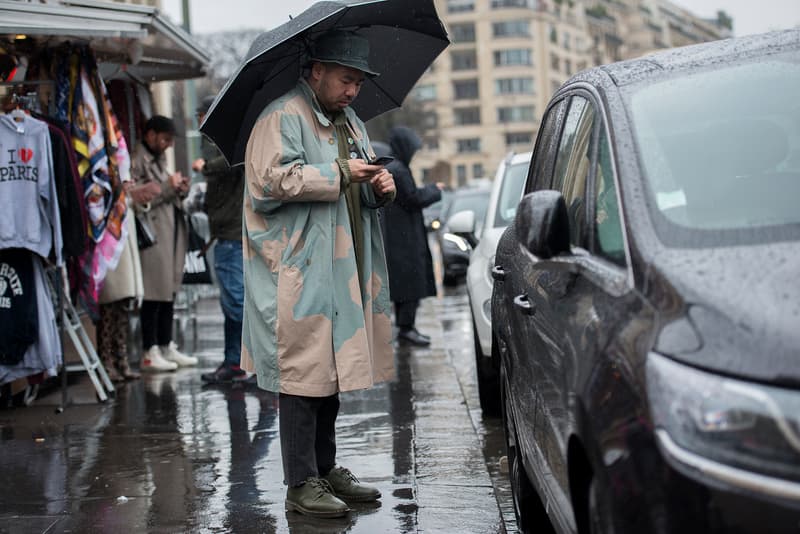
point(128, 39)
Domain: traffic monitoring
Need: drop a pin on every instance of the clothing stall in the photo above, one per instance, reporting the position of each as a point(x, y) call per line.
point(75, 87)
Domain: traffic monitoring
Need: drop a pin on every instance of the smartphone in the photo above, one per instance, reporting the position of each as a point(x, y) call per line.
point(383, 160)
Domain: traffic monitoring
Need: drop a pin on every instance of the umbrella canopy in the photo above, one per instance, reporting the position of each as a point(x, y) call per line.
point(405, 37)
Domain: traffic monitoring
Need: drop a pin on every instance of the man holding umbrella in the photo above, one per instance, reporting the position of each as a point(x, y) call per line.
point(317, 310)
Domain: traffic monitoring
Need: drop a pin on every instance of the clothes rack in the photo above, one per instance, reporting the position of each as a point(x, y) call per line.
point(67, 316)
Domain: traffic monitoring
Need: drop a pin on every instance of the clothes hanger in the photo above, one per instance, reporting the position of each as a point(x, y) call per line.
point(18, 114)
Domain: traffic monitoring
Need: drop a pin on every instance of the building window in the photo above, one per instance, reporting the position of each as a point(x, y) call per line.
point(430, 120)
point(519, 138)
point(462, 33)
point(515, 114)
point(555, 62)
point(473, 144)
point(511, 28)
point(460, 6)
point(461, 174)
point(477, 170)
point(499, 4)
point(464, 59)
point(514, 86)
point(463, 116)
point(565, 41)
point(568, 67)
point(553, 34)
point(512, 56)
point(431, 143)
point(425, 92)
point(465, 89)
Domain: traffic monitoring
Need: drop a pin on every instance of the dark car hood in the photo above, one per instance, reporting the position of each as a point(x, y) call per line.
point(743, 308)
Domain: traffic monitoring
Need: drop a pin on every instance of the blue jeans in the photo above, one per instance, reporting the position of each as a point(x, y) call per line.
point(228, 266)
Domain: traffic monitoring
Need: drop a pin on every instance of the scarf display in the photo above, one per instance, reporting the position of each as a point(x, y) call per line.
point(103, 163)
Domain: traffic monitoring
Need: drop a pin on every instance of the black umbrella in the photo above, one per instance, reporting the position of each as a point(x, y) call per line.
point(405, 37)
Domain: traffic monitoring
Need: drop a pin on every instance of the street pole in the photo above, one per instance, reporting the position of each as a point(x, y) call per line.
point(190, 105)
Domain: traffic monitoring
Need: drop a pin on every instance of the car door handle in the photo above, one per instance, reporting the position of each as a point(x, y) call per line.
point(498, 273)
point(522, 302)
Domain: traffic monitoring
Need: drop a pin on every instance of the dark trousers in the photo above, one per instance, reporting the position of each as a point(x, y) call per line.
point(156, 319)
point(308, 436)
point(405, 314)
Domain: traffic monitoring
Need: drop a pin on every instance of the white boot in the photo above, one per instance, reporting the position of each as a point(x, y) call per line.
point(153, 361)
point(172, 354)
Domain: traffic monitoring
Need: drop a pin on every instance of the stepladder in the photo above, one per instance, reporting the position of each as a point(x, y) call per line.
point(90, 361)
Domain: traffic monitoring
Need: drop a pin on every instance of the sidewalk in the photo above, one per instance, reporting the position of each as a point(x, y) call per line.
point(170, 454)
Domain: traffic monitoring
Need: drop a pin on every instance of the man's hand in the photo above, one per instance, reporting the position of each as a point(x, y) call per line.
point(179, 182)
point(361, 171)
point(143, 193)
point(383, 183)
point(198, 164)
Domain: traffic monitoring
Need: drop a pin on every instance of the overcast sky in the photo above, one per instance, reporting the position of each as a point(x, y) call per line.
point(749, 16)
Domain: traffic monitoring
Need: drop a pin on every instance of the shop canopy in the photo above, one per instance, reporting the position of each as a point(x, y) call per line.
point(128, 40)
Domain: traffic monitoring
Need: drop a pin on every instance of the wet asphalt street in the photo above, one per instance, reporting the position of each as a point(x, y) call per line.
point(170, 454)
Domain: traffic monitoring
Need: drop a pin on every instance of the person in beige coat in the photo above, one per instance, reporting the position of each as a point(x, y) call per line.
point(162, 263)
point(121, 285)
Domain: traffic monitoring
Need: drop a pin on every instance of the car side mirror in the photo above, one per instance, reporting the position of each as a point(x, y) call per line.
point(463, 224)
point(542, 224)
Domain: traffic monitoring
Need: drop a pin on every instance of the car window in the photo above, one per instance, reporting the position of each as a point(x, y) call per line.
point(573, 163)
point(510, 193)
point(719, 151)
point(608, 229)
point(476, 202)
point(541, 167)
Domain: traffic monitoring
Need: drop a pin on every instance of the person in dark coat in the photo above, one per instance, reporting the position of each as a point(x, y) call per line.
point(408, 256)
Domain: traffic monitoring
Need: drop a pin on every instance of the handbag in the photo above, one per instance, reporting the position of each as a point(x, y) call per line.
point(145, 236)
point(195, 265)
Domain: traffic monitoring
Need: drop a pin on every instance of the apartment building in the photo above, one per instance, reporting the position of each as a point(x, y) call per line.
point(485, 95)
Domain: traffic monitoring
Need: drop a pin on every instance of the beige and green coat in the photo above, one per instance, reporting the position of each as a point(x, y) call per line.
point(311, 326)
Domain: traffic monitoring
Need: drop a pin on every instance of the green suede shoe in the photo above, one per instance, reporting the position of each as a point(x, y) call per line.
point(315, 498)
point(346, 486)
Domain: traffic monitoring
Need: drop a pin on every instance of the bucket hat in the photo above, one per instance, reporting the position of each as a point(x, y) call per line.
point(344, 48)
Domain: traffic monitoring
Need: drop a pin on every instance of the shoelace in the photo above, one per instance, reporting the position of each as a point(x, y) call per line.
point(347, 473)
point(322, 486)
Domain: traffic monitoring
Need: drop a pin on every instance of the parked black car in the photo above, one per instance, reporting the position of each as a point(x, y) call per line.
point(456, 249)
point(646, 305)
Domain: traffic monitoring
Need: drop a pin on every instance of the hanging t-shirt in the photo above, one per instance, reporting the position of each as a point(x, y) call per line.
point(18, 310)
point(45, 354)
point(29, 216)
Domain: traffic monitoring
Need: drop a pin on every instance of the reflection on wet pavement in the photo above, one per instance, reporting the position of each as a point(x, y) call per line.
point(170, 454)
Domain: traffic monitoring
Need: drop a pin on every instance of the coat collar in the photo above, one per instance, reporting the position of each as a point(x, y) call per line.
point(308, 92)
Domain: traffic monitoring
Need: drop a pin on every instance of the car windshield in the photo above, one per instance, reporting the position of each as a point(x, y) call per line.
point(720, 149)
point(510, 193)
point(476, 201)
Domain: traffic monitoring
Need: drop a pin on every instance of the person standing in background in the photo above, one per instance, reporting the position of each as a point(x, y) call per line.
point(162, 263)
point(223, 204)
point(408, 256)
point(121, 286)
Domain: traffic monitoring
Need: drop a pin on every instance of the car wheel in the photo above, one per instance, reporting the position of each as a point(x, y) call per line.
point(528, 509)
point(488, 379)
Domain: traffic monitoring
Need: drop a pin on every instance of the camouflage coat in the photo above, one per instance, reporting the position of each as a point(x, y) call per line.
point(311, 327)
